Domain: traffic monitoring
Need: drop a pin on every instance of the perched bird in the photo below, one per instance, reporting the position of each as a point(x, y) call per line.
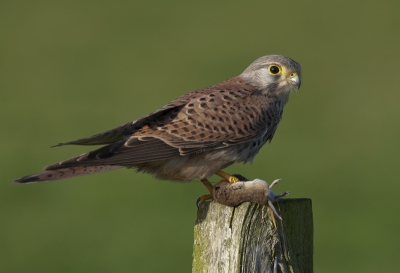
point(195, 135)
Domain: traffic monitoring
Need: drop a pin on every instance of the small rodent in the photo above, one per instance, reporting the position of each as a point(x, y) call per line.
point(256, 191)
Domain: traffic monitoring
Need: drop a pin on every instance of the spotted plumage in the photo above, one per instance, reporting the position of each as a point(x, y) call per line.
point(196, 135)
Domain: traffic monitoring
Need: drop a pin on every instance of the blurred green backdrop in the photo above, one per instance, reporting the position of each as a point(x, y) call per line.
point(70, 69)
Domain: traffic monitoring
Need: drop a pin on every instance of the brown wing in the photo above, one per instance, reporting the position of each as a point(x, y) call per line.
point(232, 113)
point(225, 114)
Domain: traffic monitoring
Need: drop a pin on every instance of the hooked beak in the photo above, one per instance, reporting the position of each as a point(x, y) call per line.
point(295, 80)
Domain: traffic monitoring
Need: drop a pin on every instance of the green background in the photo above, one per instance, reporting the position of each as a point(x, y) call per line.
point(70, 69)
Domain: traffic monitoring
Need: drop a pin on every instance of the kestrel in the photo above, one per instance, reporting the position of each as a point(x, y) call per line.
point(196, 135)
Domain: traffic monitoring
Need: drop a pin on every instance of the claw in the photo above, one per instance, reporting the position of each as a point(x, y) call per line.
point(203, 198)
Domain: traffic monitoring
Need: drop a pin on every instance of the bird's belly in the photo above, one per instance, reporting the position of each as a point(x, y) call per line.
point(202, 165)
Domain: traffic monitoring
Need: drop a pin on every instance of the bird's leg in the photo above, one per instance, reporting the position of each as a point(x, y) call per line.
point(205, 197)
point(207, 184)
point(229, 178)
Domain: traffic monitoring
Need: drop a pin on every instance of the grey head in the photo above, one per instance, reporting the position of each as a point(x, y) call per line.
point(274, 74)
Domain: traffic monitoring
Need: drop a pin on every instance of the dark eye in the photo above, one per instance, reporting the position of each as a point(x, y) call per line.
point(273, 69)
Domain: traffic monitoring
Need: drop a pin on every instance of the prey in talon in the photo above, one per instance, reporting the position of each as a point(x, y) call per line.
point(256, 191)
point(194, 136)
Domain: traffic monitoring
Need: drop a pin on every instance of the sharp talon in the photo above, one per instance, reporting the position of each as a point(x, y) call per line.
point(203, 198)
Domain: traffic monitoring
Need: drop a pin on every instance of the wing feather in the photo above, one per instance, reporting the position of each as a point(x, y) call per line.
point(226, 114)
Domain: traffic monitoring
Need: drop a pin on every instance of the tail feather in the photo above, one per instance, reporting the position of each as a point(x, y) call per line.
point(64, 173)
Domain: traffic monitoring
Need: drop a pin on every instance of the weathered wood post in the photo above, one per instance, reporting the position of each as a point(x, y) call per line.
point(244, 239)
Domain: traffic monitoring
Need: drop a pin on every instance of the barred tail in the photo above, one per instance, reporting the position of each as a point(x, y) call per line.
point(64, 173)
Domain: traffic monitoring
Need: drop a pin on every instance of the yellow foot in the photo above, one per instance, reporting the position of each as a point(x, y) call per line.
point(210, 187)
point(227, 177)
point(203, 198)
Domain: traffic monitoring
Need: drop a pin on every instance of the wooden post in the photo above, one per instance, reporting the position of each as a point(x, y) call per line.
point(244, 239)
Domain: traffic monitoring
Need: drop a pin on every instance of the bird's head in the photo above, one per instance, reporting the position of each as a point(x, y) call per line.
point(274, 74)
